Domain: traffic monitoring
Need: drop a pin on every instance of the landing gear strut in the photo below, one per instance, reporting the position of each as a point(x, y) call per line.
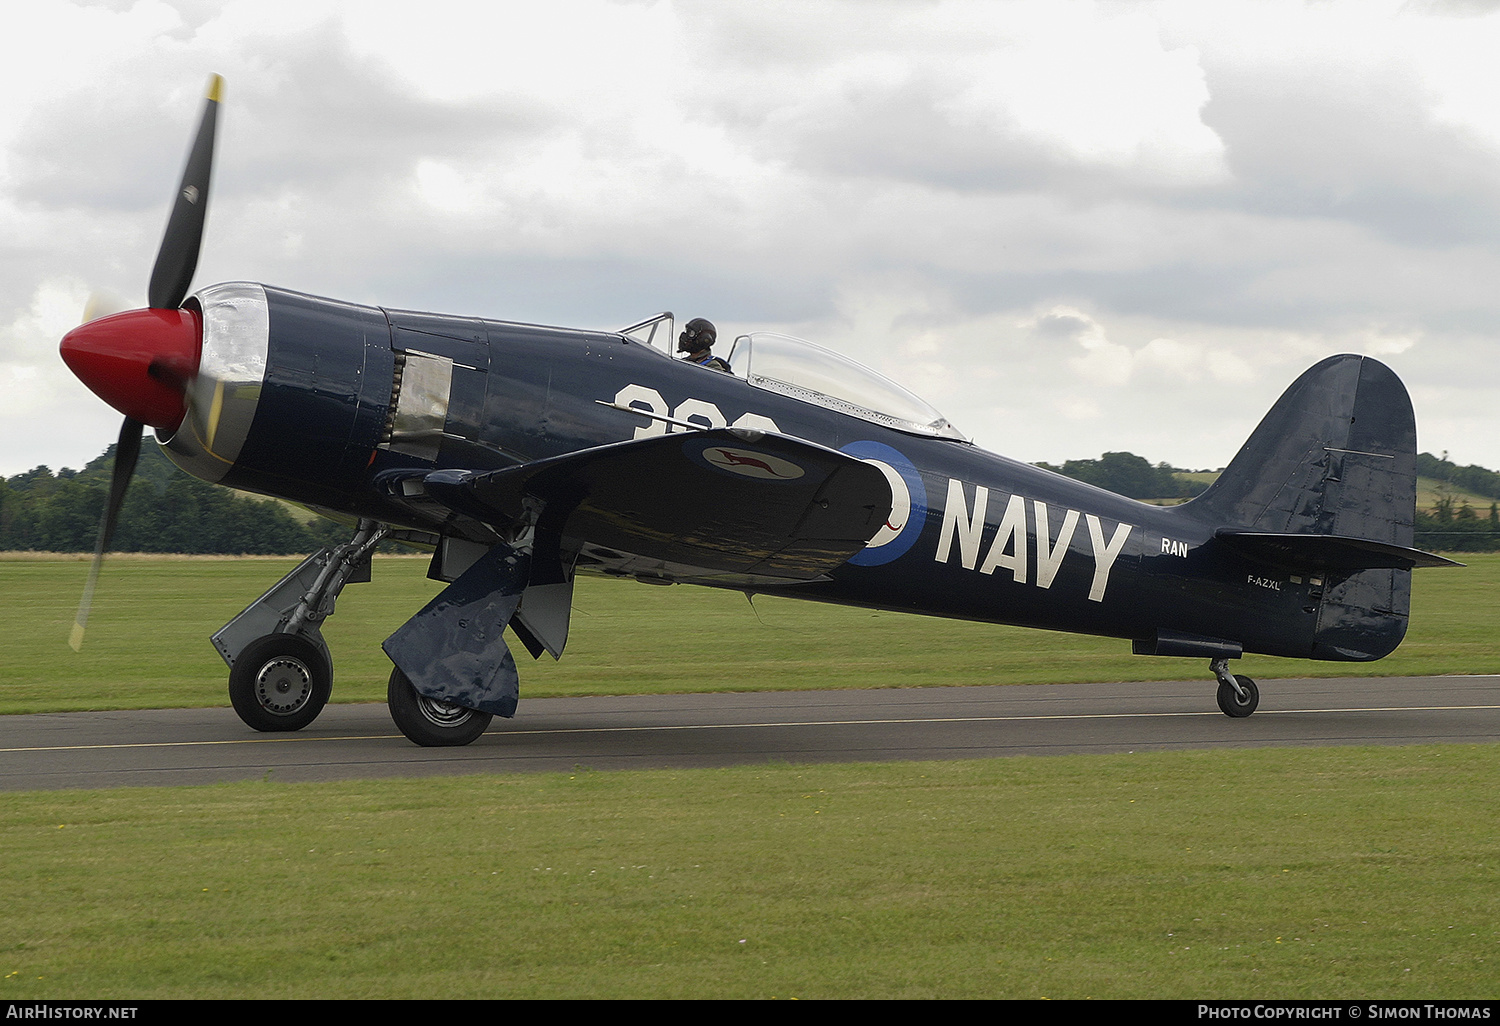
point(280, 672)
point(1238, 695)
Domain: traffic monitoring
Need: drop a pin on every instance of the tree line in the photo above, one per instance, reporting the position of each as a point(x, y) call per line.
point(167, 510)
point(1463, 529)
point(1453, 525)
point(1125, 473)
point(1449, 525)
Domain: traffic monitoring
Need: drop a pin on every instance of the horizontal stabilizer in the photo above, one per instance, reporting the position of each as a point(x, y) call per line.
point(725, 501)
point(1328, 551)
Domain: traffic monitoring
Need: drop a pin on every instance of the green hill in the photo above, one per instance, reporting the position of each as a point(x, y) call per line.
point(1458, 508)
point(165, 511)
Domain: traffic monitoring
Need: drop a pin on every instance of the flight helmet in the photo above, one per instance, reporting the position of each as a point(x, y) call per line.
point(698, 334)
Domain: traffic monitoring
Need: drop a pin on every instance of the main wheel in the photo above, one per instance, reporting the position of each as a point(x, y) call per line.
point(429, 722)
point(280, 682)
point(1233, 704)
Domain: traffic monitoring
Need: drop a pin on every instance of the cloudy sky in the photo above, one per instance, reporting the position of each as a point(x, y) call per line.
point(1073, 226)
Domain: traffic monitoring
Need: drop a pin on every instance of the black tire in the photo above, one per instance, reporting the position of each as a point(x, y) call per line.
point(1232, 704)
point(280, 682)
point(428, 722)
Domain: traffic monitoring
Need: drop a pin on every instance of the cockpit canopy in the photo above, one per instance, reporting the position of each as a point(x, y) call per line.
point(805, 371)
point(802, 370)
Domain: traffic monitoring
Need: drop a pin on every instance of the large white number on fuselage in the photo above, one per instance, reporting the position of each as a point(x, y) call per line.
point(697, 411)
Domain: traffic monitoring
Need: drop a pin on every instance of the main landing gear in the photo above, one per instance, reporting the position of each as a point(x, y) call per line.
point(280, 682)
point(280, 672)
point(1238, 695)
point(429, 722)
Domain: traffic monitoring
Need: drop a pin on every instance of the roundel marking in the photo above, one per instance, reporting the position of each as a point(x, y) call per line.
point(908, 503)
point(746, 462)
point(900, 507)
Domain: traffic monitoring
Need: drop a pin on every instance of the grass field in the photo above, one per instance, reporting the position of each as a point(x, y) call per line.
point(148, 640)
point(1314, 873)
point(1430, 490)
point(1282, 873)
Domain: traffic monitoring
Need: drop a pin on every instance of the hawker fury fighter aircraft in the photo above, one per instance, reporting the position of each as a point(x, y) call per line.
point(522, 456)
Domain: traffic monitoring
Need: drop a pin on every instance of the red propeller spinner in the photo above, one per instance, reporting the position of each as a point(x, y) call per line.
point(140, 362)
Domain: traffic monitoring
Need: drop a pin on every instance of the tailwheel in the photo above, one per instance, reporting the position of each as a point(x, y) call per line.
point(280, 682)
point(429, 722)
point(1242, 702)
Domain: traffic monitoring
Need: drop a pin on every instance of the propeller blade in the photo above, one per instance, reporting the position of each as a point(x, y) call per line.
point(102, 304)
point(127, 451)
point(178, 257)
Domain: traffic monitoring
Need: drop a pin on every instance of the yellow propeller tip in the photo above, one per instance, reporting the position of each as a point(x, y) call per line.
point(215, 87)
point(75, 639)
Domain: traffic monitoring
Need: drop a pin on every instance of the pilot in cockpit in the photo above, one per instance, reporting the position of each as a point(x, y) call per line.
point(697, 340)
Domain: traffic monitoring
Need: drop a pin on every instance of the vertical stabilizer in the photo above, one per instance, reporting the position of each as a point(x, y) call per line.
point(1334, 459)
point(1336, 455)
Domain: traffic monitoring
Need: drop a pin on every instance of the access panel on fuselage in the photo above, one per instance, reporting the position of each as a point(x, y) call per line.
point(537, 402)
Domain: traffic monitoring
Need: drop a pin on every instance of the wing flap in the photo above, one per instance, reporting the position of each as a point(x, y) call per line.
point(725, 500)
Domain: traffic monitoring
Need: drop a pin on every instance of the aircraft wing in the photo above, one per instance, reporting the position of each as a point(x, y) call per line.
point(724, 501)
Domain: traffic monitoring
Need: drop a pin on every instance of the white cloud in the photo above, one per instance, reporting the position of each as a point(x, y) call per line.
point(38, 388)
point(1074, 227)
point(1099, 89)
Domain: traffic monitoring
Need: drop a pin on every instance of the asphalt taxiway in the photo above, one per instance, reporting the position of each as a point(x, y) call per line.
point(198, 746)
